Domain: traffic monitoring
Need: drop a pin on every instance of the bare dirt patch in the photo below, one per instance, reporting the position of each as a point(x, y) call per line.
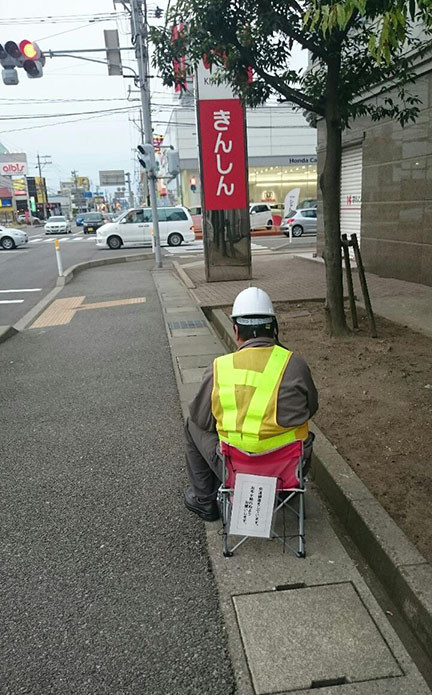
point(375, 407)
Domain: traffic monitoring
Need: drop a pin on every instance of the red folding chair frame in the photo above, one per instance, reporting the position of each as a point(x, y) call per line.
point(284, 463)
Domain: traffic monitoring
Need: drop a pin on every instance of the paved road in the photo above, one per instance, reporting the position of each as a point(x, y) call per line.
point(105, 584)
point(33, 270)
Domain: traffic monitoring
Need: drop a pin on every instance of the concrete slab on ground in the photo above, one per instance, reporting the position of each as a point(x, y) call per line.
point(311, 636)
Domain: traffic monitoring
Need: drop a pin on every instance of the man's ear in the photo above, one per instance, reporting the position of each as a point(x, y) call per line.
point(236, 331)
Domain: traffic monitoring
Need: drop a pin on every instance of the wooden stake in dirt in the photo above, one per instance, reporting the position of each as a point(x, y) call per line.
point(363, 283)
point(353, 308)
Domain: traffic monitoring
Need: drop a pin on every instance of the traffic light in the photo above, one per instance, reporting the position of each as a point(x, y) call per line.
point(192, 183)
point(173, 162)
point(35, 59)
point(147, 158)
point(26, 55)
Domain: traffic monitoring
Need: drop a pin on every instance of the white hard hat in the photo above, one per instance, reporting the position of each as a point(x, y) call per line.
point(252, 302)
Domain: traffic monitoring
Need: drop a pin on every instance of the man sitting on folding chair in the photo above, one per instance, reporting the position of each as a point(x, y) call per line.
point(236, 405)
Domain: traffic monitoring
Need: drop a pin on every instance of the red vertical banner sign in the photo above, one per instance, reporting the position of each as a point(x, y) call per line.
point(224, 178)
point(223, 153)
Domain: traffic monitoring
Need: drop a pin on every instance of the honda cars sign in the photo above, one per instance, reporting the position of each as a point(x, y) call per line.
point(13, 164)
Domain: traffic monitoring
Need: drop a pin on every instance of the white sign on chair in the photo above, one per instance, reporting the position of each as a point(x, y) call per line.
point(253, 505)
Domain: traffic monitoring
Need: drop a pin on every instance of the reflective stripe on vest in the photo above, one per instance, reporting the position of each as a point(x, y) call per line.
point(265, 384)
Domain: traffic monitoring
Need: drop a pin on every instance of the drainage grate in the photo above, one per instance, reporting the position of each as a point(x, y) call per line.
point(175, 325)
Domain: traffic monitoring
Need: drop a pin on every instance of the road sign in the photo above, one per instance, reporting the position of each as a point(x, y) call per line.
point(112, 177)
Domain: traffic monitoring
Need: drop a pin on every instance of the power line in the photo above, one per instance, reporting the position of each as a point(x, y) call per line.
point(63, 19)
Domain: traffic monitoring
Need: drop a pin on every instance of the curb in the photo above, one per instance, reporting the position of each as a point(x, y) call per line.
point(184, 277)
point(7, 332)
point(401, 568)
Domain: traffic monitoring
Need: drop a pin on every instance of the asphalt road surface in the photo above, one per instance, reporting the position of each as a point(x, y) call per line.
point(105, 583)
point(27, 274)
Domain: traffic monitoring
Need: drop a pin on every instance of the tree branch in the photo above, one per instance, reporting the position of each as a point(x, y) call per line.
point(306, 43)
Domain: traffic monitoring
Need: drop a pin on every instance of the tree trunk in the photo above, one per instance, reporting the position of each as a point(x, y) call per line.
point(330, 187)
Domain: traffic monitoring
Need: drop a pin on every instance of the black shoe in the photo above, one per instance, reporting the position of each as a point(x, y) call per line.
point(209, 511)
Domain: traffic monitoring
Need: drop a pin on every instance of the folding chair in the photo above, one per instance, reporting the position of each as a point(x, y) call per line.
point(286, 465)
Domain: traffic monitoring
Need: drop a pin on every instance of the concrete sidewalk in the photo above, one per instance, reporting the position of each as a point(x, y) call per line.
point(294, 626)
point(295, 278)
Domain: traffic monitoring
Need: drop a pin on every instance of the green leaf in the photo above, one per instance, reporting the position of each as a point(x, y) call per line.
point(341, 17)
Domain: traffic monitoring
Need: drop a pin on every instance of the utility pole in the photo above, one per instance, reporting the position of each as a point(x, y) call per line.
point(140, 41)
point(130, 194)
point(47, 160)
point(75, 196)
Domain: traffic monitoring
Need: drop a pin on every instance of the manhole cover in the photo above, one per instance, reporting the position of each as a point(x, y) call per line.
point(311, 637)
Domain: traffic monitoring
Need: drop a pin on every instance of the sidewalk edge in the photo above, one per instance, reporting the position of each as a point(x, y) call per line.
point(401, 568)
point(184, 277)
point(7, 332)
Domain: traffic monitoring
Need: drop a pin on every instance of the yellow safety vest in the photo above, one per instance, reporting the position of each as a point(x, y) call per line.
point(244, 399)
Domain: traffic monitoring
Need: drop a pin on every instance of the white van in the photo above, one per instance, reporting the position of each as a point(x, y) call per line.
point(136, 227)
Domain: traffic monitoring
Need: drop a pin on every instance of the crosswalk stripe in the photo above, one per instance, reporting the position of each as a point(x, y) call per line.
point(33, 289)
point(11, 301)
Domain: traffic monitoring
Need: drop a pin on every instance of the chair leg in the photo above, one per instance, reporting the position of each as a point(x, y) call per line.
point(302, 549)
point(225, 523)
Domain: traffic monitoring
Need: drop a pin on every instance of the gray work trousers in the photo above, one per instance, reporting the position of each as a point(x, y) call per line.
point(204, 464)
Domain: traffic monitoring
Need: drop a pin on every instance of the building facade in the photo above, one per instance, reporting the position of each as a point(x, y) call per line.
point(281, 154)
point(386, 189)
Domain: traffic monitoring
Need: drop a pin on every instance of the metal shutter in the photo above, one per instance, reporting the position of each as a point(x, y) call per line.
point(351, 190)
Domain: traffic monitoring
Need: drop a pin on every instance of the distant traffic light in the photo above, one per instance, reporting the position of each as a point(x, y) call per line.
point(26, 55)
point(147, 158)
point(173, 159)
point(192, 183)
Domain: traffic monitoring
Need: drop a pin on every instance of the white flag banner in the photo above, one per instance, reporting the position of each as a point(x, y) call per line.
point(253, 505)
point(291, 200)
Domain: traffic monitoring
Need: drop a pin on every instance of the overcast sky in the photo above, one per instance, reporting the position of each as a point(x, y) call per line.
point(86, 142)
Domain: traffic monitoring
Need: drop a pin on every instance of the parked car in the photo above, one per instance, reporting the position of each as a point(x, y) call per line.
point(300, 221)
point(58, 224)
point(79, 219)
point(260, 216)
point(307, 203)
point(10, 238)
point(136, 227)
point(92, 222)
point(22, 219)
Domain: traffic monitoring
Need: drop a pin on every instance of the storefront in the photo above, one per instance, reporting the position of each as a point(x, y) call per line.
point(281, 155)
point(273, 183)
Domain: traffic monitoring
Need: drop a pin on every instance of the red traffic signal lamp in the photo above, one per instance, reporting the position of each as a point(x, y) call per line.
point(26, 55)
point(34, 58)
point(192, 183)
point(29, 50)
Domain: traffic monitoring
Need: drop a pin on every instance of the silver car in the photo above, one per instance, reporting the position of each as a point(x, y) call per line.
point(10, 238)
point(300, 221)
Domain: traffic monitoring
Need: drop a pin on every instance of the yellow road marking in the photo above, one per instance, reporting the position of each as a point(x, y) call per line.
point(114, 302)
point(62, 311)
